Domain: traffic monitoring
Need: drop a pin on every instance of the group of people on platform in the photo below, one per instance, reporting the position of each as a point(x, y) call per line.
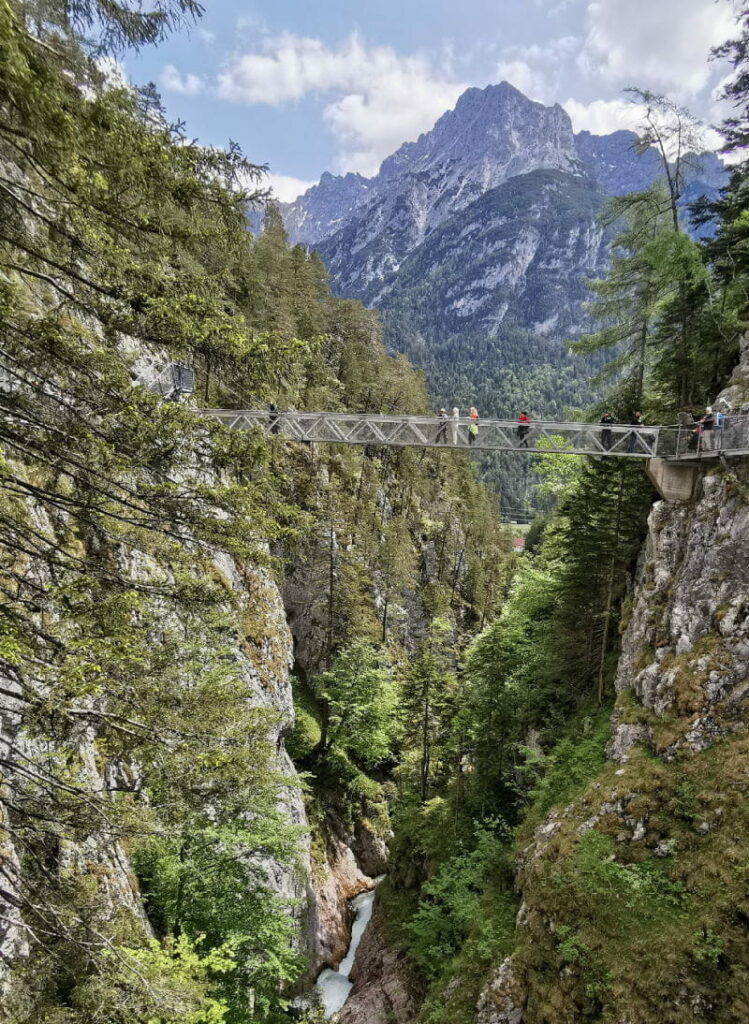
point(453, 422)
point(703, 433)
point(706, 432)
point(633, 437)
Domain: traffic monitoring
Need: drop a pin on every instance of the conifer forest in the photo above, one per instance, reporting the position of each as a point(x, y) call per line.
point(246, 681)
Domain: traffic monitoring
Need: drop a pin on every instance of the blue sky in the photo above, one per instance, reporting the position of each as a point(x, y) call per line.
point(308, 87)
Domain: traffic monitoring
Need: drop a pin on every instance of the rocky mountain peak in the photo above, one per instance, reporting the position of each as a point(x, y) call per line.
point(489, 136)
point(497, 126)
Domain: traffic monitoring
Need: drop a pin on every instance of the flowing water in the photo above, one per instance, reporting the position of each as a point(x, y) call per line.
point(334, 986)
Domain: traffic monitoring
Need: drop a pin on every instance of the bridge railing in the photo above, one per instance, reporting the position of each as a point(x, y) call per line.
point(691, 441)
point(433, 432)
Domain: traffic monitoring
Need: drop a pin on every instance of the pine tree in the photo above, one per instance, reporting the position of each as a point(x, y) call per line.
point(626, 300)
point(426, 707)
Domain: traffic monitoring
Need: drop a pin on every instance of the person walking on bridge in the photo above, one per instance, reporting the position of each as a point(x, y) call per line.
point(720, 422)
point(524, 426)
point(607, 420)
point(455, 419)
point(708, 430)
point(473, 426)
point(442, 428)
point(632, 440)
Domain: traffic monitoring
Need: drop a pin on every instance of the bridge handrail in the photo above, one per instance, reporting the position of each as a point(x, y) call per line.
point(427, 430)
point(431, 419)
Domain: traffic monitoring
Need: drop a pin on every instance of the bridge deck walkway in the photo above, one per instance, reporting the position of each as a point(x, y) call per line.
point(572, 438)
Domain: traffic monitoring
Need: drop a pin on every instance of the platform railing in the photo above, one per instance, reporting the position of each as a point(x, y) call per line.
point(690, 441)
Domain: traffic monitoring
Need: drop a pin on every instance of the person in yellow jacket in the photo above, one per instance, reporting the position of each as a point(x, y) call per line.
point(473, 426)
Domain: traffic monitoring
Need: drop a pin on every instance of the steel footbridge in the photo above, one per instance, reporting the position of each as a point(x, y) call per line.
point(682, 443)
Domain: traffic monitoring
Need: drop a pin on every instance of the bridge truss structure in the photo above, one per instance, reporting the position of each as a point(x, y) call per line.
point(622, 441)
point(493, 435)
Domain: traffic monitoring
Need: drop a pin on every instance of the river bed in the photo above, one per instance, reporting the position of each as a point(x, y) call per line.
point(334, 986)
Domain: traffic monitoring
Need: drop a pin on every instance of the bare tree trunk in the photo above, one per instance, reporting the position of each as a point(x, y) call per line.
point(641, 365)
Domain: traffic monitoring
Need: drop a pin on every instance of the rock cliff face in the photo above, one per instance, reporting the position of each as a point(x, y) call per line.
point(490, 136)
point(334, 883)
point(264, 666)
point(651, 923)
point(532, 241)
point(382, 991)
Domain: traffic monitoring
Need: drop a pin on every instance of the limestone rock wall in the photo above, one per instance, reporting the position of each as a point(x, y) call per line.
point(671, 797)
point(382, 992)
point(263, 661)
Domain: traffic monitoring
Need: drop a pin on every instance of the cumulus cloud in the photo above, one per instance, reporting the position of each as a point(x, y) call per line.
point(287, 188)
point(601, 117)
point(661, 43)
point(537, 70)
point(378, 98)
point(187, 85)
point(520, 74)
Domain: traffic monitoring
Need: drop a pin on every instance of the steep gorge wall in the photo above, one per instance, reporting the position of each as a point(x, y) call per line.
point(664, 826)
point(262, 657)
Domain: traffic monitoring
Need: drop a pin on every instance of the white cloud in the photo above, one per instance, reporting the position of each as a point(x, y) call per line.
point(657, 43)
point(601, 117)
point(532, 83)
point(114, 73)
point(537, 70)
point(173, 81)
point(379, 99)
point(287, 188)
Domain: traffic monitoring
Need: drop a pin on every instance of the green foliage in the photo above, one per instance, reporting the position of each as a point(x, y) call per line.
point(451, 902)
point(452, 996)
point(205, 884)
point(305, 736)
point(570, 765)
point(161, 983)
point(124, 245)
point(576, 954)
point(360, 696)
point(631, 896)
point(426, 708)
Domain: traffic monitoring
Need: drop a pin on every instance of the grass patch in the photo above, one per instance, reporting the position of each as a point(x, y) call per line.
point(565, 772)
point(631, 917)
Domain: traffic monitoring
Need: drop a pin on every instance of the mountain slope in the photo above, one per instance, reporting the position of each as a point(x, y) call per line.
point(490, 136)
point(475, 242)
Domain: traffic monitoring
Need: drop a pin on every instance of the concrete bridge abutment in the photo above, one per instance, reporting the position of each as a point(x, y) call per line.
point(674, 481)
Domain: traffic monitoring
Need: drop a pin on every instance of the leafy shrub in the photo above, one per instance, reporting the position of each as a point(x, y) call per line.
point(573, 762)
point(451, 902)
point(169, 983)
